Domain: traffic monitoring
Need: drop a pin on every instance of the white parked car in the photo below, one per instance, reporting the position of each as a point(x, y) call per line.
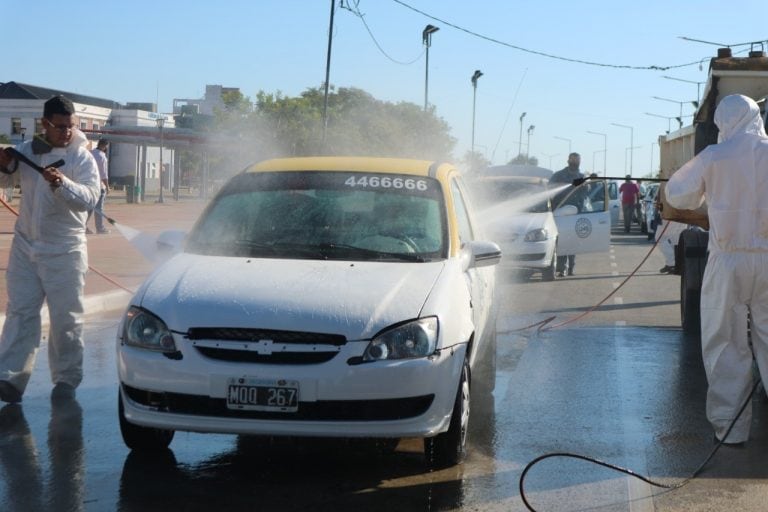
point(338, 297)
point(519, 214)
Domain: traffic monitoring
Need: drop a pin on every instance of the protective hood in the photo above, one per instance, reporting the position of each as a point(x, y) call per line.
point(355, 299)
point(737, 114)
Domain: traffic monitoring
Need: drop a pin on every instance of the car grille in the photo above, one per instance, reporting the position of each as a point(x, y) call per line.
point(322, 410)
point(265, 346)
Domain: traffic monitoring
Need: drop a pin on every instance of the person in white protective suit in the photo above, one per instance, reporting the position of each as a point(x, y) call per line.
point(48, 258)
point(732, 176)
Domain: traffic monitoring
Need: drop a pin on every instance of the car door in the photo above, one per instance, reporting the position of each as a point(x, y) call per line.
point(583, 220)
point(614, 203)
point(480, 280)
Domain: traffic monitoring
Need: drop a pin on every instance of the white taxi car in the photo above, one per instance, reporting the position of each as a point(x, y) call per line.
point(533, 224)
point(339, 297)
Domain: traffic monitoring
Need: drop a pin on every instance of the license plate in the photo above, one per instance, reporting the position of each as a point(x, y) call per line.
point(249, 394)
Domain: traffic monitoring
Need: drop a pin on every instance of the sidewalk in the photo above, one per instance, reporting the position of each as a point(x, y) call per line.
point(111, 254)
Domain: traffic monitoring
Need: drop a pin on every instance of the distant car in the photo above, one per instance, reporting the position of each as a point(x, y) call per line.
point(331, 297)
point(518, 213)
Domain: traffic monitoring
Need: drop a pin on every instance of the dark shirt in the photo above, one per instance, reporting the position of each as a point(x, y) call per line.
point(567, 175)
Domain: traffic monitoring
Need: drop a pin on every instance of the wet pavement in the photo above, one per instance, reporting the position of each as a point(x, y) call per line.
point(624, 385)
point(630, 396)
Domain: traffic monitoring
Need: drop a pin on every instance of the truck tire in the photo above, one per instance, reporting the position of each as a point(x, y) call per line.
point(693, 256)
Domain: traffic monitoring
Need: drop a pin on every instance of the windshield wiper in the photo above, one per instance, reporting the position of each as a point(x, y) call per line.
point(373, 254)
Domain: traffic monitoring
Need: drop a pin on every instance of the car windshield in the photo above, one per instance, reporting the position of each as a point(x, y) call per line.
point(325, 215)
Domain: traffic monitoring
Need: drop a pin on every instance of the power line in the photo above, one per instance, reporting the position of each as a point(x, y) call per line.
point(543, 54)
point(356, 11)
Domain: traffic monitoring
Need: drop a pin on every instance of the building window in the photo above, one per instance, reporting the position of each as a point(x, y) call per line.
point(83, 124)
point(95, 125)
point(15, 126)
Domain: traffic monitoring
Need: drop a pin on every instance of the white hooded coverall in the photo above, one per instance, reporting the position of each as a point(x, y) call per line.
point(732, 176)
point(48, 261)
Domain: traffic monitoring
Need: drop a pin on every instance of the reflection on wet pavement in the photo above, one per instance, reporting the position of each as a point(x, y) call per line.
point(630, 396)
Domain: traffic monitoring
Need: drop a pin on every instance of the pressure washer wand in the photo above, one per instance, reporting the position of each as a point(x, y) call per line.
point(14, 153)
point(58, 163)
point(580, 181)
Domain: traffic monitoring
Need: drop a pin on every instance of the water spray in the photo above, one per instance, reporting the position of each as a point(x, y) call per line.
point(145, 243)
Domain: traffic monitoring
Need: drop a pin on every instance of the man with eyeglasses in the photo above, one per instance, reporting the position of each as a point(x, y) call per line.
point(48, 258)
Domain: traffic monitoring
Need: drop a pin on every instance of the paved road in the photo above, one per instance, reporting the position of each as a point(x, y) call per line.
point(622, 384)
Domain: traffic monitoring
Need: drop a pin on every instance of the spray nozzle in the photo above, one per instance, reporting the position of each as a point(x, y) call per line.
point(579, 181)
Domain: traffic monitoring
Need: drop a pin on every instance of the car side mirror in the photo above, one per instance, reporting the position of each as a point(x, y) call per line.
point(478, 253)
point(566, 210)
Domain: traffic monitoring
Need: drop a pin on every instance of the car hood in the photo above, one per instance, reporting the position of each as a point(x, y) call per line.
point(516, 226)
point(351, 298)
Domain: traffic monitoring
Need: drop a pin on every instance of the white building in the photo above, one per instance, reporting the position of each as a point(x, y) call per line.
point(207, 105)
point(133, 131)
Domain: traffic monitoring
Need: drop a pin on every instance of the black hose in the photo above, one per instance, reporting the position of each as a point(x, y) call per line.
point(629, 471)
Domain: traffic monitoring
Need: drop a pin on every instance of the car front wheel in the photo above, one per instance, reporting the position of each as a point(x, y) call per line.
point(450, 448)
point(141, 438)
point(548, 274)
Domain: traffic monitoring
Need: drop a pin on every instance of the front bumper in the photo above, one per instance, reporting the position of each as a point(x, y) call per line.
point(407, 398)
point(531, 255)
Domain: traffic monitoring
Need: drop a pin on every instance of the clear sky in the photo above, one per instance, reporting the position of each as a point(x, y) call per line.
point(154, 51)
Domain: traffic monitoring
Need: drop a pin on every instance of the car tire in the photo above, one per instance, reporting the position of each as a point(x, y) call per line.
point(548, 274)
point(450, 448)
point(141, 438)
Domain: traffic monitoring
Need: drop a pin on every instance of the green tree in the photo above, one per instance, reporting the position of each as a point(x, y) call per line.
point(474, 162)
point(4, 139)
point(358, 124)
point(276, 125)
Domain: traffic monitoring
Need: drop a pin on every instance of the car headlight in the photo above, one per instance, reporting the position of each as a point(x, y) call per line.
point(537, 235)
point(407, 341)
point(144, 330)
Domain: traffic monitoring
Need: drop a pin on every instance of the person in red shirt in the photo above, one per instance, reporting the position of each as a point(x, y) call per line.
point(630, 193)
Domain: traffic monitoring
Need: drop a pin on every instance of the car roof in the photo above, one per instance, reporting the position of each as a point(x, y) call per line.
point(518, 179)
point(354, 163)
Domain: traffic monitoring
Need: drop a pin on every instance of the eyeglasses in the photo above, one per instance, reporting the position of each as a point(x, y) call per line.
point(60, 127)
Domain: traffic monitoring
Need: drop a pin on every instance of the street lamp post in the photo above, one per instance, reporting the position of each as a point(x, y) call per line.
point(528, 143)
point(605, 150)
point(23, 132)
point(594, 154)
point(680, 103)
point(426, 38)
point(550, 156)
point(668, 118)
point(474, 79)
point(698, 86)
point(631, 144)
point(629, 150)
point(327, 74)
point(567, 140)
point(160, 122)
point(520, 140)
